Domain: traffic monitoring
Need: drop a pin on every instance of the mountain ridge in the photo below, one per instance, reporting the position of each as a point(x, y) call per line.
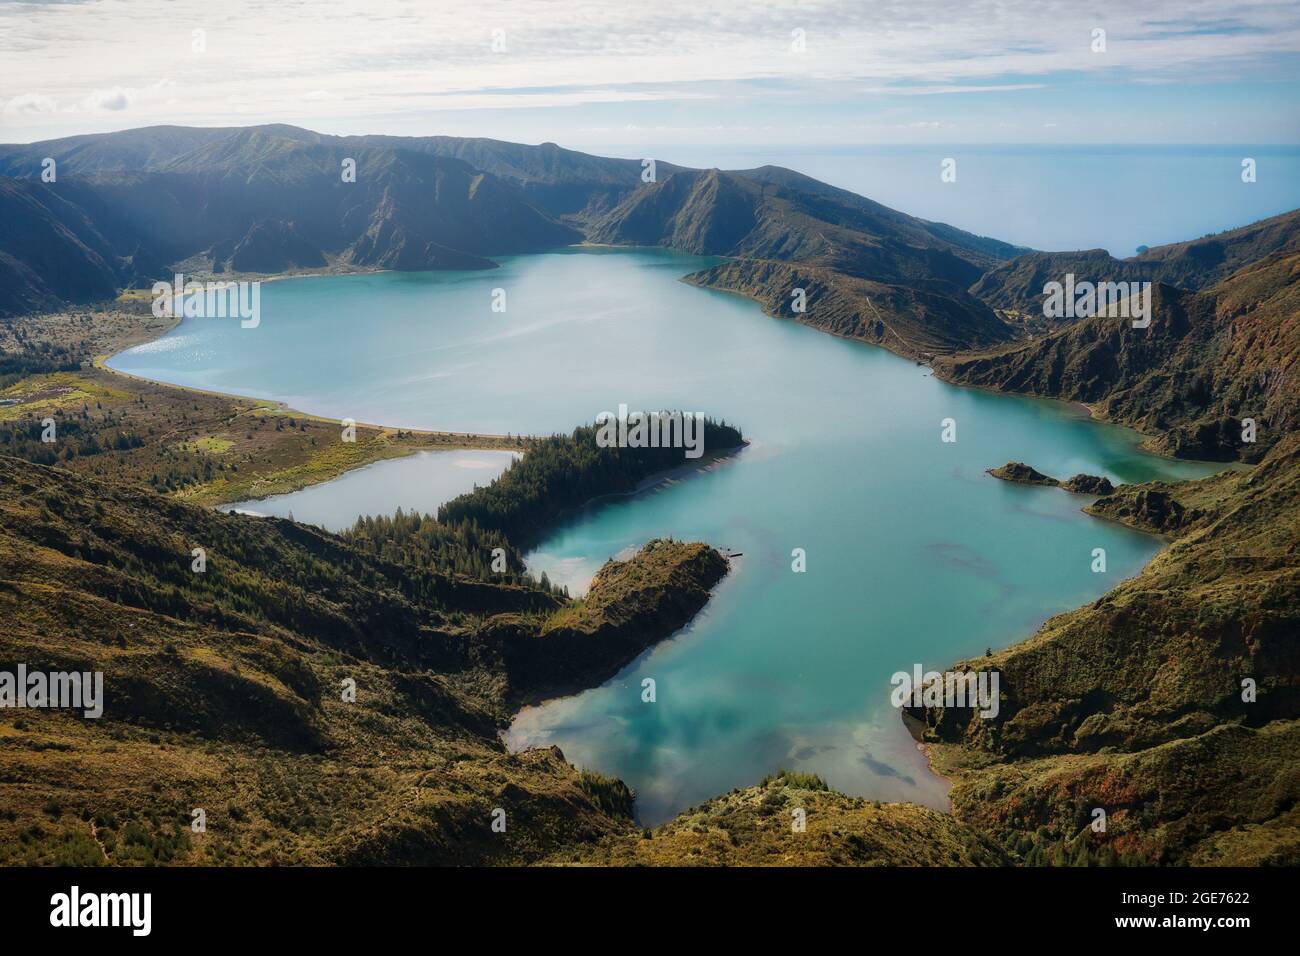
point(1208, 361)
point(158, 196)
point(1194, 264)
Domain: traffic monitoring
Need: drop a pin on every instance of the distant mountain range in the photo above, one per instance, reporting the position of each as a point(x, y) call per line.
point(1134, 704)
point(129, 208)
point(126, 207)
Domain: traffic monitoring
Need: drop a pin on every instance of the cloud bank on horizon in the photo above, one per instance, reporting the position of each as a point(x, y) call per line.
point(625, 73)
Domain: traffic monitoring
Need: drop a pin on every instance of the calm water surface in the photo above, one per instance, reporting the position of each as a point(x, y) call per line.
point(419, 482)
point(914, 555)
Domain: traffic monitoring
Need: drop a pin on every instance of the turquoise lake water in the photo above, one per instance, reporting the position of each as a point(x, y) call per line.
point(419, 482)
point(914, 554)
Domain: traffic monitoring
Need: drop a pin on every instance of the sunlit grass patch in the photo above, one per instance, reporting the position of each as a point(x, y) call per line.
point(209, 444)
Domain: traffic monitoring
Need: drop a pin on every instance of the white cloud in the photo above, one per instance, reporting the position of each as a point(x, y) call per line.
point(113, 99)
point(29, 104)
point(951, 89)
point(364, 60)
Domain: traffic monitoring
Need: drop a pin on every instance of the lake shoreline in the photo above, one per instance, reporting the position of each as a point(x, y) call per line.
point(1076, 411)
point(391, 443)
point(1148, 440)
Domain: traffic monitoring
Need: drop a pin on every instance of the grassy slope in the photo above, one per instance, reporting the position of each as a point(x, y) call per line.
point(223, 689)
point(203, 447)
point(1134, 703)
point(216, 701)
point(755, 826)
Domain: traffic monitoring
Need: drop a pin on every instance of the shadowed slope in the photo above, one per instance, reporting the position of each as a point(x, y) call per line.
point(1207, 361)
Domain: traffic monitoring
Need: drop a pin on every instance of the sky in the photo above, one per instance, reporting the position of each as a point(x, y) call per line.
point(663, 77)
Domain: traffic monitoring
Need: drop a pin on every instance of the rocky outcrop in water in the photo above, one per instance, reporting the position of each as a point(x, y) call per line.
point(1088, 485)
point(1018, 471)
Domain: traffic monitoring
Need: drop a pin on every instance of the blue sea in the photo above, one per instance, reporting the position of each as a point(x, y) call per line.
point(1052, 197)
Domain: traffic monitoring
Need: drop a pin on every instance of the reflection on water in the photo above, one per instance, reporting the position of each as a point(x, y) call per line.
point(914, 554)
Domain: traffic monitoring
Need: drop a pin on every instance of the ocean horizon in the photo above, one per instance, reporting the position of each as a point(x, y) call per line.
point(1052, 198)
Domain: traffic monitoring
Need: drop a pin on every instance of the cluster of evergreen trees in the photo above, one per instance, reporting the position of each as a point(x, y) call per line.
point(77, 436)
point(35, 359)
point(429, 544)
point(557, 474)
point(477, 535)
point(1082, 852)
point(563, 472)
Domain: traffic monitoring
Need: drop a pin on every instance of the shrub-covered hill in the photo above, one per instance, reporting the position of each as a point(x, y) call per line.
point(1136, 704)
point(224, 692)
point(1207, 361)
point(758, 826)
point(224, 689)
